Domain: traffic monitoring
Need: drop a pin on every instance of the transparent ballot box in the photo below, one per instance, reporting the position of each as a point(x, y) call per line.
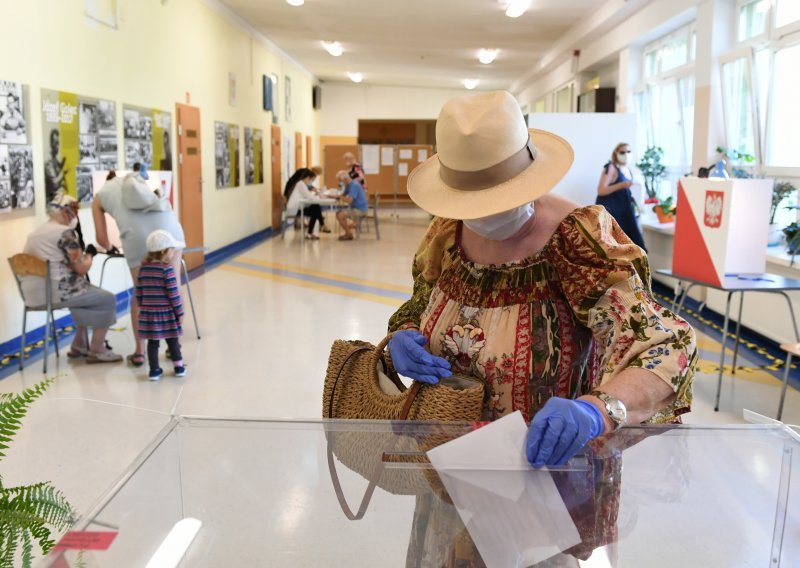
point(216, 492)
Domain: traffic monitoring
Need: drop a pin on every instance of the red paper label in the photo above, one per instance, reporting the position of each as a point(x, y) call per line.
point(713, 213)
point(86, 540)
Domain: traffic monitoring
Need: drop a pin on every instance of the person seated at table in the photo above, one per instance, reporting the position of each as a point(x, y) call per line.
point(355, 197)
point(299, 196)
point(90, 306)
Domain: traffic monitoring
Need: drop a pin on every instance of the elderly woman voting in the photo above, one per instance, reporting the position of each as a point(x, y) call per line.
point(547, 302)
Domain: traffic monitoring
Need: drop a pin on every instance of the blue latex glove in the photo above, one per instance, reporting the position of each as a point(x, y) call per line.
point(143, 172)
point(560, 429)
point(410, 358)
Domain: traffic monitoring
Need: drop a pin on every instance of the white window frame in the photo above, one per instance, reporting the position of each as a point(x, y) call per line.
point(763, 36)
point(773, 40)
point(658, 46)
point(747, 55)
point(661, 78)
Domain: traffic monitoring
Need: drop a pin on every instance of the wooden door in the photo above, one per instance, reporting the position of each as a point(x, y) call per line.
point(298, 151)
point(277, 190)
point(309, 152)
point(190, 181)
point(333, 161)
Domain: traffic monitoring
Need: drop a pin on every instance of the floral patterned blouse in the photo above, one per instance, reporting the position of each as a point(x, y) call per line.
point(558, 323)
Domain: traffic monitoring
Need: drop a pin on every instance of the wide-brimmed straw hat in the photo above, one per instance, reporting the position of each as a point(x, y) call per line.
point(489, 161)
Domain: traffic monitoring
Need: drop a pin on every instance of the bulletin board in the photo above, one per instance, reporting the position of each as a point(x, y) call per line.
point(382, 182)
point(333, 161)
point(409, 156)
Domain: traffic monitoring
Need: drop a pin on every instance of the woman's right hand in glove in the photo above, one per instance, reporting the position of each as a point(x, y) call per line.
point(410, 358)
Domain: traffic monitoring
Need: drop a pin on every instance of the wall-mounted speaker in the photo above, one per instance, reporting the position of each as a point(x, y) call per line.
point(316, 97)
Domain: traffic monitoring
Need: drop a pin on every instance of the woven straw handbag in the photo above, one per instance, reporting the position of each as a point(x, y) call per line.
point(353, 390)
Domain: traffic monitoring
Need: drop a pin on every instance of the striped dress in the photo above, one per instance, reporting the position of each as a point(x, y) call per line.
point(159, 300)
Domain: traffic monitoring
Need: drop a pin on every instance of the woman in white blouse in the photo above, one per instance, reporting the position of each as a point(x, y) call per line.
point(298, 195)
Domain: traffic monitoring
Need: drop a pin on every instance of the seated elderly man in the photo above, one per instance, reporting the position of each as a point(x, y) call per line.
point(354, 196)
point(90, 306)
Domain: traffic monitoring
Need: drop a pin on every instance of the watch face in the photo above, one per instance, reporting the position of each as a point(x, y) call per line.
point(617, 410)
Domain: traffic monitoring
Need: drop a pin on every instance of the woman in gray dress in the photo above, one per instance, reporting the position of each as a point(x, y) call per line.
point(134, 227)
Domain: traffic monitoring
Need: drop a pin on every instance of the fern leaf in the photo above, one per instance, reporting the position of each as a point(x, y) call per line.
point(41, 500)
point(27, 550)
point(13, 408)
point(8, 545)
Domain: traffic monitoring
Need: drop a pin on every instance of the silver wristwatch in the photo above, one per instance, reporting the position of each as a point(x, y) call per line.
point(615, 408)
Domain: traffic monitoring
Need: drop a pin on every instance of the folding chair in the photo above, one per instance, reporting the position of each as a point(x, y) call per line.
point(26, 265)
point(367, 217)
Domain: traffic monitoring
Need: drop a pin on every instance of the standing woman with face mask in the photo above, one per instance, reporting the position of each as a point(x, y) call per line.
point(614, 193)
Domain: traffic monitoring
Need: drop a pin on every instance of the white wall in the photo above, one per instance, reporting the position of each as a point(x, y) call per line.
point(158, 55)
point(593, 137)
point(344, 103)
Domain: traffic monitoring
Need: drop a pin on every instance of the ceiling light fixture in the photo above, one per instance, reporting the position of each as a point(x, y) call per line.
point(295, 2)
point(333, 47)
point(517, 7)
point(486, 56)
point(355, 77)
point(470, 83)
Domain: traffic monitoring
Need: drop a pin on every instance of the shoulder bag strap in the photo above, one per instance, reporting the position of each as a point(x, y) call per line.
point(376, 474)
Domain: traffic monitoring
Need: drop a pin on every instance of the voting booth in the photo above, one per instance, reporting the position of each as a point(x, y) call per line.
point(721, 227)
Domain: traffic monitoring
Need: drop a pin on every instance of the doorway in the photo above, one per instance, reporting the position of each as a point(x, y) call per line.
point(277, 190)
point(190, 181)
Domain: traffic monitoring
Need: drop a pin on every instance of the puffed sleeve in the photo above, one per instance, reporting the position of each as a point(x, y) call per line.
point(429, 262)
point(606, 279)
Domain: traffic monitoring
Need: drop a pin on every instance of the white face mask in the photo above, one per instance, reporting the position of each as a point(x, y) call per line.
point(503, 225)
point(622, 158)
point(73, 223)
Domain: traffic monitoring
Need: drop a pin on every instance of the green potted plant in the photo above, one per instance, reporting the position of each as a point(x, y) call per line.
point(27, 513)
point(792, 233)
point(780, 191)
point(653, 171)
point(665, 210)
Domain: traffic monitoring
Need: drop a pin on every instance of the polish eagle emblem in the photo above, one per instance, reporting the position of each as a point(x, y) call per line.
point(713, 213)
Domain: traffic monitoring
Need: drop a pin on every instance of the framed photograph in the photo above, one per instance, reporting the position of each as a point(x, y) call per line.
point(287, 94)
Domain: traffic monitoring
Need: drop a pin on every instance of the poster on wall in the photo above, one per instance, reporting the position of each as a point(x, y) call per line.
point(147, 137)
point(253, 156)
point(16, 155)
point(226, 154)
point(288, 97)
point(80, 137)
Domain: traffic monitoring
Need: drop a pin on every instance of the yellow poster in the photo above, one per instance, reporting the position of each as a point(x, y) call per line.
point(226, 155)
point(80, 137)
point(253, 156)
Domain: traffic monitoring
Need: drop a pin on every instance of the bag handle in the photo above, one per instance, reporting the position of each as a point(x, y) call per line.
point(376, 474)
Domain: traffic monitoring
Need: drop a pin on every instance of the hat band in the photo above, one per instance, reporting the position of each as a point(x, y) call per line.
point(491, 176)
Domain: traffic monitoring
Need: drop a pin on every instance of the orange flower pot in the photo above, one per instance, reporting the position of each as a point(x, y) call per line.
point(664, 216)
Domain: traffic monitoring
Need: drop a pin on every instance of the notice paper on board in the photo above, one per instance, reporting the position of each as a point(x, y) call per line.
point(370, 156)
point(387, 156)
point(405, 154)
point(402, 169)
point(514, 513)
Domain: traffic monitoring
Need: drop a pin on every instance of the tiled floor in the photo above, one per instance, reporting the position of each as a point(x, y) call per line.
point(267, 318)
